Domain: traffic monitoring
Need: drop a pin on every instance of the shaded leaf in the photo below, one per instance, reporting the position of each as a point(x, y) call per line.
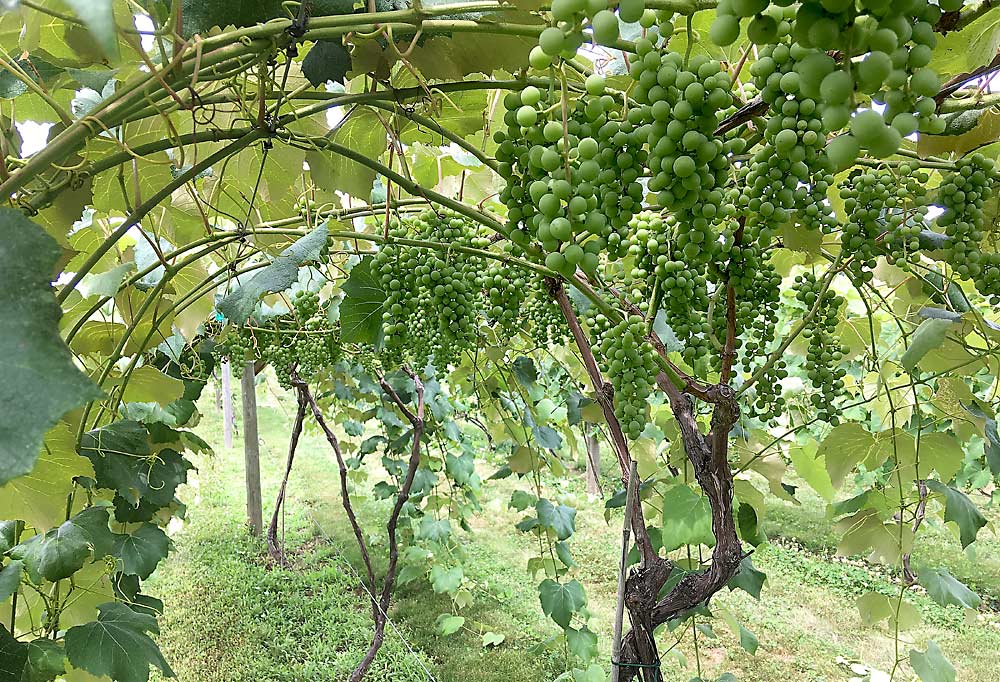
point(561, 600)
point(931, 665)
point(960, 509)
point(41, 382)
point(117, 645)
point(361, 309)
point(687, 519)
point(328, 60)
point(560, 518)
point(946, 590)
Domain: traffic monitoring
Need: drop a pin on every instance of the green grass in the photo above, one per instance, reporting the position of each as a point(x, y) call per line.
point(232, 618)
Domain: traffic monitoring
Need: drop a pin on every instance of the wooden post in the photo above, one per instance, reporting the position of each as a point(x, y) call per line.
point(593, 447)
point(631, 493)
point(227, 403)
point(251, 450)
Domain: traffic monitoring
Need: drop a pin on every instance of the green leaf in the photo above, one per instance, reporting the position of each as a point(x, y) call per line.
point(448, 624)
point(521, 500)
point(46, 661)
point(748, 579)
point(931, 665)
point(928, 336)
point(63, 551)
point(8, 534)
point(10, 579)
point(116, 645)
point(282, 273)
point(560, 518)
point(363, 132)
point(446, 580)
point(582, 643)
point(41, 382)
point(328, 60)
point(687, 519)
point(812, 469)
point(141, 550)
point(946, 590)
point(99, 17)
point(38, 69)
point(525, 371)
point(493, 639)
point(13, 656)
point(361, 309)
point(846, 446)
point(960, 509)
point(148, 384)
point(561, 600)
point(433, 529)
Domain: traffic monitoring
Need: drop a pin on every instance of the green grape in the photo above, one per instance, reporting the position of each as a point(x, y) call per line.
point(824, 352)
point(962, 194)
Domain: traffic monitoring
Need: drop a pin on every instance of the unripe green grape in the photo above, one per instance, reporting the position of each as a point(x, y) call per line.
point(763, 29)
point(631, 11)
point(925, 82)
point(526, 116)
point(605, 26)
point(837, 87)
point(595, 84)
point(552, 41)
point(843, 151)
point(538, 59)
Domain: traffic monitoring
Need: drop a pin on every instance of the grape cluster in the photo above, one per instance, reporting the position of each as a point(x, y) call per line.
point(629, 361)
point(571, 186)
point(885, 215)
point(432, 296)
point(688, 162)
point(896, 40)
point(506, 290)
point(569, 17)
point(302, 343)
point(790, 172)
point(962, 194)
point(825, 351)
point(548, 326)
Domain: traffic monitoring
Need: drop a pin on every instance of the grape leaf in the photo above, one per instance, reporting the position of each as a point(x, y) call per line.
point(931, 665)
point(99, 17)
point(363, 132)
point(10, 579)
point(280, 274)
point(493, 639)
point(46, 661)
point(141, 550)
point(525, 371)
point(844, 447)
point(687, 519)
point(446, 580)
point(561, 600)
point(62, 551)
point(582, 643)
point(148, 384)
point(960, 509)
point(946, 590)
point(116, 645)
point(361, 309)
point(41, 382)
point(748, 579)
point(560, 518)
point(13, 656)
point(929, 335)
point(328, 60)
point(448, 624)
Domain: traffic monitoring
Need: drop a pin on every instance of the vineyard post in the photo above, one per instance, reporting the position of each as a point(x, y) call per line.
point(593, 460)
point(227, 403)
point(251, 450)
point(631, 493)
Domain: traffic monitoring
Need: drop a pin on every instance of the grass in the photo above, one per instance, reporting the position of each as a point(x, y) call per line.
point(232, 618)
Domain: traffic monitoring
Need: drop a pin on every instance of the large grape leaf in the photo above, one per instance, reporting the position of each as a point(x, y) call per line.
point(687, 519)
point(947, 590)
point(99, 17)
point(931, 665)
point(46, 661)
point(328, 60)
point(13, 656)
point(561, 600)
point(62, 551)
point(282, 273)
point(148, 384)
point(41, 382)
point(116, 645)
point(361, 309)
point(117, 452)
point(846, 446)
point(362, 131)
point(141, 550)
point(960, 509)
point(560, 518)
point(929, 335)
point(10, 579)
point(40, 496)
